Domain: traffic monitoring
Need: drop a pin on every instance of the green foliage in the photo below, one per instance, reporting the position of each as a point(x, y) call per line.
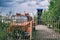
point(35, 20)
point(53, 14)
point(3, 32)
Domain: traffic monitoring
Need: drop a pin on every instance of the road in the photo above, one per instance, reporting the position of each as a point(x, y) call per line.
point(44, 33)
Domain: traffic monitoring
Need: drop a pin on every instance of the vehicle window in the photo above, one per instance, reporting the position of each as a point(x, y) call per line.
point(20, 19)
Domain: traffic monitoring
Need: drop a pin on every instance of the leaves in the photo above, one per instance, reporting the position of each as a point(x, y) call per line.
point(3, 32)
point(53, 13)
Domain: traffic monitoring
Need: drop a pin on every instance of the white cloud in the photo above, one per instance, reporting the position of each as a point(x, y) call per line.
point(28, 6)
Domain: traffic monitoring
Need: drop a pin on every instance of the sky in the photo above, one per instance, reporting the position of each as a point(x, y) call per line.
point(19, 6)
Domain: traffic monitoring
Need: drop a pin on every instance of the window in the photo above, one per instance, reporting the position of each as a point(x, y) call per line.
point(20, 19)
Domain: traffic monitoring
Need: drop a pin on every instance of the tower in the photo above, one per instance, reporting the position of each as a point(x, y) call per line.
point(39, 13)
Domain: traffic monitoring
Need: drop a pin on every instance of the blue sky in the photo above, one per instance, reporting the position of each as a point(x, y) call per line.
point(22, 5)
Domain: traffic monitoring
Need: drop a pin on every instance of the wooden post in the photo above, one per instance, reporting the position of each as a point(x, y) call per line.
point(30, 30)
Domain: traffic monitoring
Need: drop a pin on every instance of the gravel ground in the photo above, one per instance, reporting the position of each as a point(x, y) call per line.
point(44, 33)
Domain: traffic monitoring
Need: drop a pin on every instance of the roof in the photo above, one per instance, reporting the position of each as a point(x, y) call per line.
point(39, 8)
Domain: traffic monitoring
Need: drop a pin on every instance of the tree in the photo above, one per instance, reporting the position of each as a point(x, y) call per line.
point(52, 14)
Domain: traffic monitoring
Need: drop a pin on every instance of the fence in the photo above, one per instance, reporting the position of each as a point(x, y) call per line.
point(19, 34)
point(52, 33)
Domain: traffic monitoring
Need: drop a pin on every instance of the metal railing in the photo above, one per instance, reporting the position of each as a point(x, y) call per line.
point(55, 25)
point(53, 28)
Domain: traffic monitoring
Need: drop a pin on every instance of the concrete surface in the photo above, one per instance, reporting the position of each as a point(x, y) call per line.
point(44, 33)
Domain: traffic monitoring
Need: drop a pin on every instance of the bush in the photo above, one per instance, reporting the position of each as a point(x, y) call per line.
point(52, 16)
point(3, 33)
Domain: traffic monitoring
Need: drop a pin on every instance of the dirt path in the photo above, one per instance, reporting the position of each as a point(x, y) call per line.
point(44, 33)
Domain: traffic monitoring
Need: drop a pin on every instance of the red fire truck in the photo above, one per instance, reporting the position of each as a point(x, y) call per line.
point(20, 27)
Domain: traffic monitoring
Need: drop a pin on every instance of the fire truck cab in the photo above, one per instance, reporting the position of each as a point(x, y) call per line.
point(21, 24)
